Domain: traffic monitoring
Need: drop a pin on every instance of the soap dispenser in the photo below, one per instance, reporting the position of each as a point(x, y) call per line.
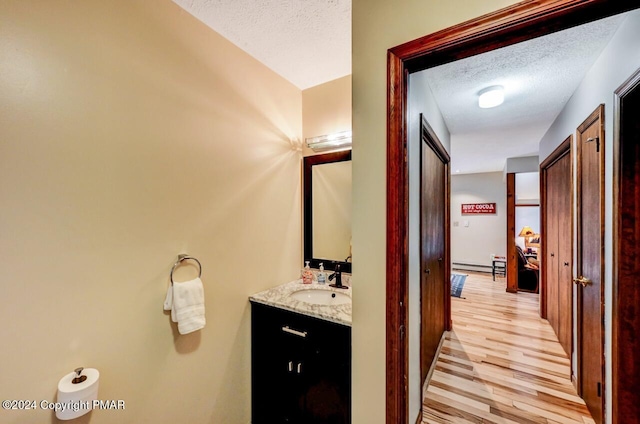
point(307, 275)
point(322, 277)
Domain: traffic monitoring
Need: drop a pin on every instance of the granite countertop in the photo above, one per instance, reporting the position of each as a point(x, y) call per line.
point(279, 297)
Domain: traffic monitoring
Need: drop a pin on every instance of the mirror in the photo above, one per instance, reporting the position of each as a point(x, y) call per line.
point(327, 210)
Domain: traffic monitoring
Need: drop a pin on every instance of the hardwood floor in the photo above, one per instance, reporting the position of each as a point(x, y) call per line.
point(501, 363)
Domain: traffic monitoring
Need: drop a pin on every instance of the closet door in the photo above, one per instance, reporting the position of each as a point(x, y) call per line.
point(551, 251)
point(565, 254)
point(557, 242)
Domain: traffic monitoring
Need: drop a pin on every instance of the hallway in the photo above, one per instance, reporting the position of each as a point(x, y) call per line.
point(501, 363)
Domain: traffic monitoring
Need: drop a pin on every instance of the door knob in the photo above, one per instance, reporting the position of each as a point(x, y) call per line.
point(427, 271)
point(582, 281)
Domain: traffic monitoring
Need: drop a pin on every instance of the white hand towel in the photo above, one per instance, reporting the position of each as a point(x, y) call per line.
point(186, 302)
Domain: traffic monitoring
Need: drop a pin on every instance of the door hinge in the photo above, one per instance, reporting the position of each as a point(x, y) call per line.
point(401, 332)
point(599, 389)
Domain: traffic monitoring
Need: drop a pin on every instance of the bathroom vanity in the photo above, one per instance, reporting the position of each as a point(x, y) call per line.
point(301, 355)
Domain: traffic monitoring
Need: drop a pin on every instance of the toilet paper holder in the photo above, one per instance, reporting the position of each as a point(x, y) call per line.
point(78, 388)
point(79, 378)
point(184, 257)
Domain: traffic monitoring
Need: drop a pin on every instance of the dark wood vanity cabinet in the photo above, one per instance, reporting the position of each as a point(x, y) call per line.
point(300, 368)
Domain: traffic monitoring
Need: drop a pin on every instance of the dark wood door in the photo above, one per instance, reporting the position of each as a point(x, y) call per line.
point(590, 140)
point(557, 250)
point(626, 297)
point(435, 280)
point(550, 253)
point(564, 255)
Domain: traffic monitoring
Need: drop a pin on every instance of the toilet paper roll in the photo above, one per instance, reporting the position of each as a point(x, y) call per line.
point(75, 400)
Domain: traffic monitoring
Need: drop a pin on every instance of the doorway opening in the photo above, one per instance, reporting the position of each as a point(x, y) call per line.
point(526, 20)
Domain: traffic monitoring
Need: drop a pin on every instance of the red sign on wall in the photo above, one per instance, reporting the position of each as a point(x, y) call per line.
point(478, 208)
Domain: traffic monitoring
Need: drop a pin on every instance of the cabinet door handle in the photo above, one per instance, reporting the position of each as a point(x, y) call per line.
point(299, 367)
point(290, 366)
point(286, 329)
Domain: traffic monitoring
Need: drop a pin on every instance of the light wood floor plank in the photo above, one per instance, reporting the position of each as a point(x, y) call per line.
point(501, 363)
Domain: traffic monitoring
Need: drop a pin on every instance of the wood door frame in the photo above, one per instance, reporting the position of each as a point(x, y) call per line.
point(512, 253)
point(598, 113)
point(565, 148)
point(512, 259)
point(623, 395)
point(523, 21)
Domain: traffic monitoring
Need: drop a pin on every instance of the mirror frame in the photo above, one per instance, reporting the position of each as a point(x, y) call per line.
point(308, 163)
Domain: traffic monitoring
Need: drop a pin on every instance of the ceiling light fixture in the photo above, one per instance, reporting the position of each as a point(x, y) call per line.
point(491, 96)
point(337, 141)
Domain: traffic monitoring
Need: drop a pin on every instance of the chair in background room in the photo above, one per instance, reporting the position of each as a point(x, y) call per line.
point(527, 277)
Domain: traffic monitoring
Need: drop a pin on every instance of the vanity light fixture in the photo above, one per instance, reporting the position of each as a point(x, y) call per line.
point(337, 141)
point(491, 96)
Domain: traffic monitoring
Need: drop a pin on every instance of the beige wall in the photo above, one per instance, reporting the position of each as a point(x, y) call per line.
point(326, 109)
point(377, 26)
point(129, 133)
point(485, 234)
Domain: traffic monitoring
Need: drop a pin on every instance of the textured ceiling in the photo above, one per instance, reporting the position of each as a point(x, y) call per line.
point(308, 42)
point(539, 77)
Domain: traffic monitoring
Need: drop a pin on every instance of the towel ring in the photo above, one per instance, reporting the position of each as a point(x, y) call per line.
point(185, 258)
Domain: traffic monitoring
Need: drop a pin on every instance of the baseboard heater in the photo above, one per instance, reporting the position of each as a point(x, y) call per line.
point(471, 267)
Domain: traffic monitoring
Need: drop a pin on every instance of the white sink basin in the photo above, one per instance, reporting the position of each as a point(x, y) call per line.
point(320, 297)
